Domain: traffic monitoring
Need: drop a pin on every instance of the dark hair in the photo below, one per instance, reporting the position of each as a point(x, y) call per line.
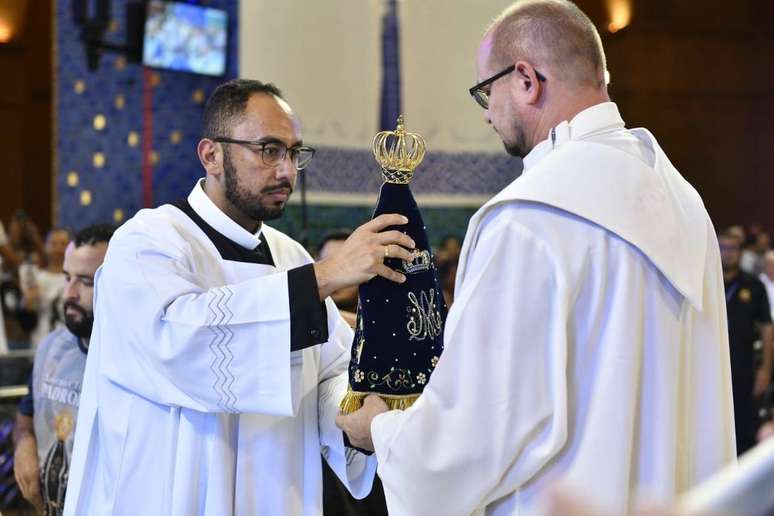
point(227, 104)
point(336, 234)
point(93, 235)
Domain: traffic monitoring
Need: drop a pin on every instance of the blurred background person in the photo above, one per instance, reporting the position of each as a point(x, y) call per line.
point(752, 256)
point(23, 246)
point(45, 420)
point(739, 233)
point(749, 316)
point(42, 287)
point(767, 278)
point(446, 257)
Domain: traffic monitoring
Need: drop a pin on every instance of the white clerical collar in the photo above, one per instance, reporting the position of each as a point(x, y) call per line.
point(591, 121)
point(222, 223)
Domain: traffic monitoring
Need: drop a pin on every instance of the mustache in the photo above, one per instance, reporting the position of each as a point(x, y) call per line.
point(78, 308)
point(282, 185)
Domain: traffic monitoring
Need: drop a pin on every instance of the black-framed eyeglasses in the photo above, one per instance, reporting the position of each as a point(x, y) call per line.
point(273, 152)
point(482, 97)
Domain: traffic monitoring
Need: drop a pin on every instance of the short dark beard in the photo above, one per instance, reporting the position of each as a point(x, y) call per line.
point(83, 327)
point(514, 150)
point(242, 201)
point(517, 149)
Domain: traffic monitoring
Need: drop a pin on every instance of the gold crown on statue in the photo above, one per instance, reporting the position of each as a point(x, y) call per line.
point(398, 153)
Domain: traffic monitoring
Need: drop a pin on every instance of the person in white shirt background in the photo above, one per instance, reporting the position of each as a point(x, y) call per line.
point(42, 286)
point(752, 255)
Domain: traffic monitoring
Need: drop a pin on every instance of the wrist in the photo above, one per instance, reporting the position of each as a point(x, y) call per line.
point(325, 284)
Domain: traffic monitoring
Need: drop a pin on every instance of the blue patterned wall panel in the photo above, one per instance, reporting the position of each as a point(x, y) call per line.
point(352, 171)
point(458, 173)
point(84, 94)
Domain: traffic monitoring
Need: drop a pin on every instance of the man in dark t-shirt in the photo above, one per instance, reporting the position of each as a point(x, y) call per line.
point(748, 317)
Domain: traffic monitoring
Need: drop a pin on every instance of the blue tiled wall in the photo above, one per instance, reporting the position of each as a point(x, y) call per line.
point(87, 193)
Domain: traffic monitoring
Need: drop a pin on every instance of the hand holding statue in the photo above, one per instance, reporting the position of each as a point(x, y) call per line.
point(362, 255)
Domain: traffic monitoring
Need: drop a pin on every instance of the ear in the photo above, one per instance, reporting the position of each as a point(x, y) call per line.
point(530, 88)
point(211, 156)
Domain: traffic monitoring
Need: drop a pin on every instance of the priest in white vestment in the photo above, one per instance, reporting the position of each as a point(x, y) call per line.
point(214, 372)
point(587, 343)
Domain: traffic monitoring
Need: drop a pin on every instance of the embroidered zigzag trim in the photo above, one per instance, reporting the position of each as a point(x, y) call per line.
point(222, 355)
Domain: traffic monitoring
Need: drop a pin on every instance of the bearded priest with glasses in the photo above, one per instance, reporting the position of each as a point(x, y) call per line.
point(218, 360)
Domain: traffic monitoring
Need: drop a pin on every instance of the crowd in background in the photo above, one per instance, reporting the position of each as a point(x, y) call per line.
point(32, 288)
point(748, 270)
point(31, 281)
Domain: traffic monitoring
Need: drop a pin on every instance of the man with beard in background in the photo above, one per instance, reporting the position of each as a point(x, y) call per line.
point(45, 420)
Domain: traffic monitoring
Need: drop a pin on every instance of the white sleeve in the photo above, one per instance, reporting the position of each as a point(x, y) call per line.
point(494, 411)
point(166, 338)
point(355, 470)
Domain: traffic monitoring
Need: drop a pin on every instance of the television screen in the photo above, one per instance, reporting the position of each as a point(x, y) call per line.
point(185, 37)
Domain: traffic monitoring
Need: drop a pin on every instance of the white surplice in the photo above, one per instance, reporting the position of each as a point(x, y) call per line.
point(587, 341)
point(192, 402)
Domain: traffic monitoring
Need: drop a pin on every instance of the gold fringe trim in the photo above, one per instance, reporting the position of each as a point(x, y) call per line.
point(354, 400)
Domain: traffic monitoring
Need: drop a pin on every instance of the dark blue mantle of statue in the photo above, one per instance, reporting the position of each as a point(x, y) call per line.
point(399, 333)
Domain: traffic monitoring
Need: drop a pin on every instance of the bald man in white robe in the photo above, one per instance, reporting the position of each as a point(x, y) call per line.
point(588, 341)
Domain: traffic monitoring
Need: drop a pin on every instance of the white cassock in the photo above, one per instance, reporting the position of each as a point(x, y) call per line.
point(192, 402)
point(587, 341)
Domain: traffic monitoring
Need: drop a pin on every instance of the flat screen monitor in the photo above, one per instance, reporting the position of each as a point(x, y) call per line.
point(185, 37)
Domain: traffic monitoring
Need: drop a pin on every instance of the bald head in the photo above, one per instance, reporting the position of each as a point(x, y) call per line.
point(554, 35)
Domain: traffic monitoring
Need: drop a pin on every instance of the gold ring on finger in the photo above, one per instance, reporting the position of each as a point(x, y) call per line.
point(386, 251)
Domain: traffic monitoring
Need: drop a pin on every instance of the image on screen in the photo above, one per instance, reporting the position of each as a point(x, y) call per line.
point(185, 37)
